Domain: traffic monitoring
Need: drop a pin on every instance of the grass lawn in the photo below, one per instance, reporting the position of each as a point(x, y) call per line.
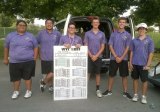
point(156, 38)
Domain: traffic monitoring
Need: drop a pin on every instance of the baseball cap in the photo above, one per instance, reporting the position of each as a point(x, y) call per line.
point(144, 25)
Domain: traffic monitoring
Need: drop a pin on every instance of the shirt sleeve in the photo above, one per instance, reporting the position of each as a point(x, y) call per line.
point(111, 40)
point(128, 42)
point(38, 38)
point(151, 46)
point(58, 38)
point(61, 41)
point(35, 43)
point(103, 39)
point(7, 41)
point(79, 40)
point(85, 39)
point(131, 46)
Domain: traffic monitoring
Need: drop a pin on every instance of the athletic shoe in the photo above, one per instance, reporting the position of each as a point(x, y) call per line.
point(50, 89)
point(99, 93)
point(42, 85)
point(127, 95)
point(107, 93)
point(135, 98)
point(15, 94)
point(144, 99)
point(28, 94)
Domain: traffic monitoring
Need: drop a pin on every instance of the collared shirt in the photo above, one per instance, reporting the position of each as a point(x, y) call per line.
point(46, 41)
point(72, 41)
point(141, 50)
point(119, 41)
point(21, 47)
point(94, 41)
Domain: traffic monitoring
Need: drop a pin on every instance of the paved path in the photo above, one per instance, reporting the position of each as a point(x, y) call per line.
point(43, 102)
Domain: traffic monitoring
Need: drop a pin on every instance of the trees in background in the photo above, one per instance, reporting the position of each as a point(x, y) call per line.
point(60, 8)
point(147, 10)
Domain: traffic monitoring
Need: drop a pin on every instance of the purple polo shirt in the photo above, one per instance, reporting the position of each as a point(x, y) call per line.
point(46, 41)
point(68, 40)
point(141, 50)
point(94, 41)
point(21, 47)
point(119, 41)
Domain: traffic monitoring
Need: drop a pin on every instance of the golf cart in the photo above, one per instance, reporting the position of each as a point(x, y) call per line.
point(154, 75)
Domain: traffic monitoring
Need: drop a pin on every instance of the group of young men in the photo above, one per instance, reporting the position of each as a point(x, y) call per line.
point(120, 43)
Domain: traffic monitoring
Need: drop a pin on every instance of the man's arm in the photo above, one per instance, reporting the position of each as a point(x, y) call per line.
point(125, 53)
point(89, 53)
point(112, 51)
point(6, 54)
point(147, 67)
point(100, 51)
point(35, 53)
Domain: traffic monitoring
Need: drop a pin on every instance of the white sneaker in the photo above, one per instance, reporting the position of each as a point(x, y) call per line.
point(15, 94)
point(50, 89)
point(135, 98)
point(99, 94)
point(144, 99)
point(28, 94)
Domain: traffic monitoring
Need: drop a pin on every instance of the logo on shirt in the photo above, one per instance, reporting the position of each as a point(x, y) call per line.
point(27, 38)
point(146, 42)
point(124, 37)
point(54, 36)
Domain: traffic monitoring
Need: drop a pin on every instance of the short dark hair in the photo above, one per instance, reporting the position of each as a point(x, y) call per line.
point(72, 23)
point(95, 18)
point(49, 19)
point(122, 18)
point(21, 21)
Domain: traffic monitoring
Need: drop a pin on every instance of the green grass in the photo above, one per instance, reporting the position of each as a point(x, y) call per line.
point(156, 38)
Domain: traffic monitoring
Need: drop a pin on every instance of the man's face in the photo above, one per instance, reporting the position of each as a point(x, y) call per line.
point(95, 23)
point(141, 31)
point(122, 24)
point(71, 29)
point(21, 27)
point(49, 25)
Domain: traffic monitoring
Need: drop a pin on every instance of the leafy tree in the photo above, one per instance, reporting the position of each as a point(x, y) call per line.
point(60, 8)
point(6, 21)
point(148, 11)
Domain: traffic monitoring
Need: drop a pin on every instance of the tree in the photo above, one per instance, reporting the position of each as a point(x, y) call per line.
point(60, 8)
point(6, 21)
point(148, 11)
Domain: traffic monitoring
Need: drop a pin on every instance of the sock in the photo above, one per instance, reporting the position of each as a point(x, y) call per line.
point(42, 82)
point(97, 87)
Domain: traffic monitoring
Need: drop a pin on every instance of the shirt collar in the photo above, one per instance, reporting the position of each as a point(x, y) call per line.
point(120, 32)
point(144, 38)
point(48, 32)
point(21, 34)
point(93, 32)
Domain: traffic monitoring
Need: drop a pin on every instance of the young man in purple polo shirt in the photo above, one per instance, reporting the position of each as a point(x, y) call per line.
point(119, 45)
point(47, 38)
point(71, 39)
point(142, 49)
point(20, 53)
point(95, 40)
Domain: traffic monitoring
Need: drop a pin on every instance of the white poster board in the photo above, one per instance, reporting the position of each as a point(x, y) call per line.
point(70, 73)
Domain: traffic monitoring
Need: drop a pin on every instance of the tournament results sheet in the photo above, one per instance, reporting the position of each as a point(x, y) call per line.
point(70, 73)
